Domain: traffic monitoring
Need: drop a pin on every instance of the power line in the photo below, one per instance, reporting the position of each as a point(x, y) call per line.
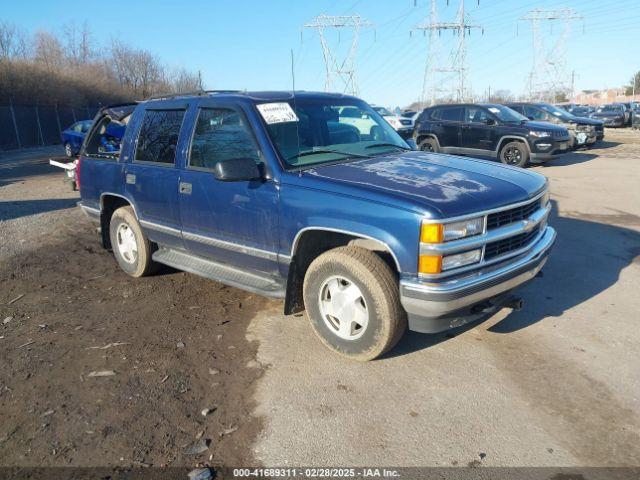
point(548, 74)
point(344, 71)
point(456, 64)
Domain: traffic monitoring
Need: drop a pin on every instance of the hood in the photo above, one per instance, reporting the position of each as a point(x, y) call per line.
point(608, 113)
point(546, 126)
point(588, 121)
point(438, 185)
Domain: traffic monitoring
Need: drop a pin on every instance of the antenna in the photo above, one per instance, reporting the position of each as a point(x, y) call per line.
point(295, 109)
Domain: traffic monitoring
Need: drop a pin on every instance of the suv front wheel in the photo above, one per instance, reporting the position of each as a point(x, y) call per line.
point(514, 153)
point(352, 301)
point(429, 145)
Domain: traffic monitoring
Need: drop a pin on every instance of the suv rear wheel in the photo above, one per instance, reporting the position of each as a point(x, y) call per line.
point(514, 153)
point(429, 145)
point(352, 301)
point(130, 245)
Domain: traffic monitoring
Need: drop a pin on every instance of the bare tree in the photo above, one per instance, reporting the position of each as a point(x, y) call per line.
point(47, 50)
point(184, 81)
point(77, 43)
point(13, 43)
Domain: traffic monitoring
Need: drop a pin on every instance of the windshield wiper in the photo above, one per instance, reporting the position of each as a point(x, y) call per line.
point(325, 150)
point(387, 145)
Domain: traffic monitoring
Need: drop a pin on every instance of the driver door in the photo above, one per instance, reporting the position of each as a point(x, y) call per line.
point(477, 131)
point(232, 222)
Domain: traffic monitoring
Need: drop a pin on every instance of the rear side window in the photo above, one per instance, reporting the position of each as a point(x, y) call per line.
point(221, 134)
point(453, 114)
point(158, 136)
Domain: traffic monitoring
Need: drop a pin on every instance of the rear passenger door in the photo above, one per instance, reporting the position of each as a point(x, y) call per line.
point(449, 126)
point(476, 132)
point(229, 222)
point(151, 178)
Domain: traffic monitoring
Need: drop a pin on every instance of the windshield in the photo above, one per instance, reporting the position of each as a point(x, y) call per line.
point(556, 112)
point(610, 108)
point(329, 130)
point(505, 114)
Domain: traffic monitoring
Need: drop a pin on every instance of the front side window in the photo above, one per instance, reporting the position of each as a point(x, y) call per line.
point(329, 130)
point(535, 113)
point(221, 134)
point(476, 115)
point(158, 137)
point(453, 114)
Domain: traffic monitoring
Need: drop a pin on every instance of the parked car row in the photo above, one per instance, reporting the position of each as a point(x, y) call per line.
point(612, 114)
point(516, 133)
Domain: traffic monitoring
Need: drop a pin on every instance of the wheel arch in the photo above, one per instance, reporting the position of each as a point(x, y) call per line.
point(510, 138)
point(310, 242)
point(109, 203)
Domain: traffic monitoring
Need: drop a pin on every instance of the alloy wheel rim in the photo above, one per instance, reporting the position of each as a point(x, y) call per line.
point(127, 245)
point(513, 155)
point(343, 308)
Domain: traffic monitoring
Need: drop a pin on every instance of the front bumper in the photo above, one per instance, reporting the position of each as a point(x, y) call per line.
point(435, 307)
point(546, 149)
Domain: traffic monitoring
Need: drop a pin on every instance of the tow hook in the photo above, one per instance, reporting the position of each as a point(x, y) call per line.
point(515, 303)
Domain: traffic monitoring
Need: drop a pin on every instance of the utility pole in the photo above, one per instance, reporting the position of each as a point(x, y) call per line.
point(548, 71)
point(461, 27)
point(344, 71)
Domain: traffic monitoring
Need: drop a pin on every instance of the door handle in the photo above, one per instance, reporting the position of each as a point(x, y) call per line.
point(130, 178)
point(185, 188)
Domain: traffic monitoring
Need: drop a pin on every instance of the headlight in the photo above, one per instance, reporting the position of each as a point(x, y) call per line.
point(438, 233)
point(461, 259)
point(534, 133)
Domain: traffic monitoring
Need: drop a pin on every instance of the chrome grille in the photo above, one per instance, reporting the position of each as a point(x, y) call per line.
point(508, 245)
point(505, 217)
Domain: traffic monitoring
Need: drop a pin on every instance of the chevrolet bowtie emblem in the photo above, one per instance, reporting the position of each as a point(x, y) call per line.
point(527, 225)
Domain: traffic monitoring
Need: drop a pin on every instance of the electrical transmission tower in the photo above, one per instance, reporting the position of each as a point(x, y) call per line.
point(461, 27)
point(343, 72)
point(549, 75)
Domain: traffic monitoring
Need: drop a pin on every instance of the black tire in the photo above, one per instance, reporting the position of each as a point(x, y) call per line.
point(137, 265)
point(68, 150)
point(429, 145)
point(380, 297)
point(514, 153)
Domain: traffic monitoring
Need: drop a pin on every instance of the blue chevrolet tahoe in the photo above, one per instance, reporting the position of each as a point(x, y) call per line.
point(315, 199)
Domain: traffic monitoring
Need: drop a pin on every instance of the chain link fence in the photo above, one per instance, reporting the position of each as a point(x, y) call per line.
point(24, 126)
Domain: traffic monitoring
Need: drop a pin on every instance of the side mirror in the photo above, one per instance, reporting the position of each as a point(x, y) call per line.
point(237, 170)
point(490, 121)
point(530, 117)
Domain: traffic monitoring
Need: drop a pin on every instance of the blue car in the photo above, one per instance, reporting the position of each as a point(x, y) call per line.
point(73, 137)
point(285, 195)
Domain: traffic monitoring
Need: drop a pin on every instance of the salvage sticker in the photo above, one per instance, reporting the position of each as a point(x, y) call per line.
point(277, 113)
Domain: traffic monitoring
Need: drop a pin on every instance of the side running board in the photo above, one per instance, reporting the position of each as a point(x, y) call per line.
point(232, 276)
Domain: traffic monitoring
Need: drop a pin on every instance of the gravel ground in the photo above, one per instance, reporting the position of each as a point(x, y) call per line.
point(556, 384)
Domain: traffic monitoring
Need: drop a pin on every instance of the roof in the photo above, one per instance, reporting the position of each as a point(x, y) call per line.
point(257, 96)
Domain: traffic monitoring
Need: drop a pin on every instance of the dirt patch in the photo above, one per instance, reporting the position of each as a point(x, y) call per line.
point(161, 349)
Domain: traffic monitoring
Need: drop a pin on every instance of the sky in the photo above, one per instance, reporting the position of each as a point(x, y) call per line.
point(247, 44)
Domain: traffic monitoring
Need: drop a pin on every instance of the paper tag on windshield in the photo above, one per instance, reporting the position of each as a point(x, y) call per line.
point(277, 113)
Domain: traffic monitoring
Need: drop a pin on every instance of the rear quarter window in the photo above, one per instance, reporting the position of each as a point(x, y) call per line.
point(158, 137)
point(452, 114)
